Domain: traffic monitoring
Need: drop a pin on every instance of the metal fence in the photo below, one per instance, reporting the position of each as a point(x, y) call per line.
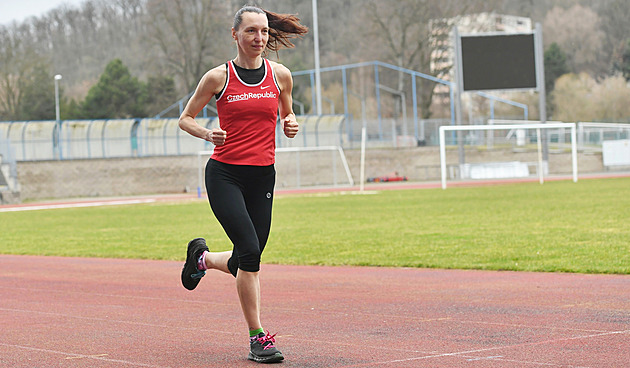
point(592, 135)
point(86, 139)
point(89, 139)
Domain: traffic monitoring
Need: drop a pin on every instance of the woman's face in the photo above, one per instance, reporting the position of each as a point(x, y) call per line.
point(252, 34)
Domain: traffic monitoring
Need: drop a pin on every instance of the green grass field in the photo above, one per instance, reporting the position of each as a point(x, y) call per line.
point(559, 226)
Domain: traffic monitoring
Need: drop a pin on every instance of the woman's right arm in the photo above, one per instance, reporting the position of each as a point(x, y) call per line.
point(211, 84)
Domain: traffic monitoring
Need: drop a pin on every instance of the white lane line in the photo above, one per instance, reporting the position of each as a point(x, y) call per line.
point(460, 353)
point(80, 356)
point(75, 205)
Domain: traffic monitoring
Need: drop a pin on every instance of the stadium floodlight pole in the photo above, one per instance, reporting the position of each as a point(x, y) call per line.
point(459, 88)
point(318, 77)
point(540, 81)
point(57, 78)
point(57, 117)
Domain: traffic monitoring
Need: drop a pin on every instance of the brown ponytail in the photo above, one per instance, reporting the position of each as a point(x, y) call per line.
point(282, 27)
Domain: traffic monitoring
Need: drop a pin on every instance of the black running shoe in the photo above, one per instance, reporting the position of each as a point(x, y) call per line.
point(190, 274)
point(262, 350)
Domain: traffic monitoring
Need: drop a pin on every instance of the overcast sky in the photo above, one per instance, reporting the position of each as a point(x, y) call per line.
point(19, 10)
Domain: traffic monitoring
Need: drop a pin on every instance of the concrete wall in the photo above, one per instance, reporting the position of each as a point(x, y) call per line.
point(177, 174)
point(106, 177)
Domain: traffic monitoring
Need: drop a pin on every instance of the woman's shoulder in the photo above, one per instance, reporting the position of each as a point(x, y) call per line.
point(217, 73)
point(279, 70)
point(215, 78)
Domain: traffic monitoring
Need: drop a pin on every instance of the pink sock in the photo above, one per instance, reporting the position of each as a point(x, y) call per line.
point(201, 264)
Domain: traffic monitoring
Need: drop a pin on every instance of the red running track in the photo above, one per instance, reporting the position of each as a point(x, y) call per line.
point(72, 312)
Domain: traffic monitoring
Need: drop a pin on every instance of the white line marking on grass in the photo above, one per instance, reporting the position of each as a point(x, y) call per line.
point(75, 205)
point(81, 356)
point(325, 194)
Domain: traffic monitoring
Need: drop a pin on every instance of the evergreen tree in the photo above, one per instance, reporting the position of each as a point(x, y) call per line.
point(555, 66)
point(70, 110)
point(160, 92)
point(38, 95)
point(625, 62)
point(116, 95)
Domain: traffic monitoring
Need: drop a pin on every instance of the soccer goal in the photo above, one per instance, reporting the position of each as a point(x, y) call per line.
point(298, 167)
point(507, 149)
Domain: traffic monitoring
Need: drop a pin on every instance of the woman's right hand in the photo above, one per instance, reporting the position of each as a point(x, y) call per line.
point(216, 136)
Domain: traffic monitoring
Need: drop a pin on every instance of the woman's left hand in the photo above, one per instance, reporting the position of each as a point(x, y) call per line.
point(290, 126)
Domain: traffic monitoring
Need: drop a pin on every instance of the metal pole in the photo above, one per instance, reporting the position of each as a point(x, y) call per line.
point(300, 104)
point(405, 131)
point(332, 105)
point(459, 85)
point(346, 112)
point(403, 99)
point(574, 152)
point(363, 143)
point(363, 139)
point(57, 117)
point(318, 78)
point(540, 81)
point(57, 78)
point(540, 157)
point(442, 157)
point(418, 135)
point(314, 95)
point(378, 103)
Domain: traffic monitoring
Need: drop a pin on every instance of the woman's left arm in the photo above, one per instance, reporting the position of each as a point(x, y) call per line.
point(287, 117)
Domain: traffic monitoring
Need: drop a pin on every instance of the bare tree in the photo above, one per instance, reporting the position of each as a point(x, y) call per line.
point(577, 31)
point(182, 39)
point(400, 29)
point(18, 59)
point(579, 97)
point(615, 22)
point(81, 40)
point(190, 36)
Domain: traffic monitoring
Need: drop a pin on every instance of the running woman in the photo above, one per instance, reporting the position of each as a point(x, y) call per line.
point(250, 91)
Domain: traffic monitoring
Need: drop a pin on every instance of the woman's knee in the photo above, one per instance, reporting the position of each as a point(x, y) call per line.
point(249, 262)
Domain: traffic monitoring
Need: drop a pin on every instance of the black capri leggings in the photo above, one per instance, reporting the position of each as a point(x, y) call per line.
point(241, 198)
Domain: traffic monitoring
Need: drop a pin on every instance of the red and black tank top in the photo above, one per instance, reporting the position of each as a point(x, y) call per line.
point(248, 113)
